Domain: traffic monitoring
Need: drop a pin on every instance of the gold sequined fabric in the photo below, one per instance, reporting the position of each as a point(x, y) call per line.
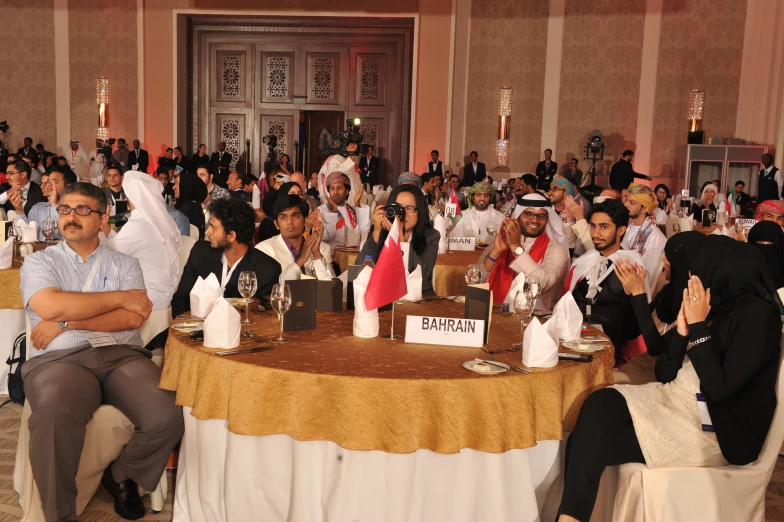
point(10, 293)
point(376, 394)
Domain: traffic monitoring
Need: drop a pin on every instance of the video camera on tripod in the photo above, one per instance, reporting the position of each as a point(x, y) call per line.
point(335, 142)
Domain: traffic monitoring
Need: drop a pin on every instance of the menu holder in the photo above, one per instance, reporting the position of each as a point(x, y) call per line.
point(5, 229)
point(353, 272)
point(708, 216)
point(329, 296)
point(302, 314)
point(479, 305)
point(121, 206)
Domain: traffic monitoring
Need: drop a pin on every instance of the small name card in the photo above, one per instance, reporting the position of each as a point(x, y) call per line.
point(746, 223)
point(462, 243)
point(468, 333)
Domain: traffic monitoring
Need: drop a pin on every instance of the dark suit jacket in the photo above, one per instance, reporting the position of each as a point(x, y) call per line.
point(204, 260)
point(241, 194)
point(369, 172)
point(622, 175)
point(35, 195)
point(545, 173)
point(143, 160)
point(470, 176)
point(224, 162)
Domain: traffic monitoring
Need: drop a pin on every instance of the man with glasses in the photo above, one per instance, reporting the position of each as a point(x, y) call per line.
point(58, 180)
point(85, 303)
point(529, 244)
point(20, 192)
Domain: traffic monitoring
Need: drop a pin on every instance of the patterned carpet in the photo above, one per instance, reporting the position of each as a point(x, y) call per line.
point(100, 508)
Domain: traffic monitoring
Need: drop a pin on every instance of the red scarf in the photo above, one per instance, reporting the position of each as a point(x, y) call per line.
point(352, 218)
point(502, 276)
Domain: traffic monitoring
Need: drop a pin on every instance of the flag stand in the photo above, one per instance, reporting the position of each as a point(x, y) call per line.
point(392, 336)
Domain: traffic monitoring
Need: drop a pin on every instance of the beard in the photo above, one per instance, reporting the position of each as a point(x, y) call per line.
point(527, 233)
point(606, 245)
point(481, 206)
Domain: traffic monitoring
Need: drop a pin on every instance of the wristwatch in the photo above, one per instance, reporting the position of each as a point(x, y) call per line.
point(517, 251)
point(63, 325)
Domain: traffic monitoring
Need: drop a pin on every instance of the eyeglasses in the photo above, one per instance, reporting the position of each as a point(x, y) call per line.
point(533, 215)
point(65, 210)
point(410, 210)
point(553, 189)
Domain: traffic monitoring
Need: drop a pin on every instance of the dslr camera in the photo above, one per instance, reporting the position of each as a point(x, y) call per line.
point(393, 210)
point(335, 142)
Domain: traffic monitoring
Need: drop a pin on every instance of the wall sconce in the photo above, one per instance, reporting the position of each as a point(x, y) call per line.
point(102, 99)
point(696, 109)
point(504, 117)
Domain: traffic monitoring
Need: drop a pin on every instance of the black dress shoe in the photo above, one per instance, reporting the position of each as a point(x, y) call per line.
point(127, 502)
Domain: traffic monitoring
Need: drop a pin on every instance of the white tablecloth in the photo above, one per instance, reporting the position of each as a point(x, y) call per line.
point(12, 330)
point(224, 477)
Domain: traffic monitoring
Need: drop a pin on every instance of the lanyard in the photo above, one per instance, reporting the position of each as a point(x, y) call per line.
point(91, 275)
point(226, 271)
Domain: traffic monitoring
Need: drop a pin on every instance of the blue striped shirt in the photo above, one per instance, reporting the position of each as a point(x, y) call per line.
point(60, 267)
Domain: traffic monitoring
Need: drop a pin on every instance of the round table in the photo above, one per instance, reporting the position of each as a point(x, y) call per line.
point(449, 271)
point(10, 293)
point(329, 399)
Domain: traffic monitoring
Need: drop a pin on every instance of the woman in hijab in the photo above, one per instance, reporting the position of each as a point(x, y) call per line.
point(768, 238)
point(190, 191)
point(726, 346)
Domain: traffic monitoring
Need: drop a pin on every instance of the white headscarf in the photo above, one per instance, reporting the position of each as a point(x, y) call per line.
point(336, 163)
point(710, 187)
point(555, 229)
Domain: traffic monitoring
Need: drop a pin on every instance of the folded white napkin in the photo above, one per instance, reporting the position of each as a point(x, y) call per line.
point(414, 285)
point(344, 279)
point(539, 349)
point(6, 253)
point(365, 323)
point(567, 320)
point(222, 326)
point(204, 294)
point(690, 218)
point(29, 231)
point(721, 217)
point(439, 223)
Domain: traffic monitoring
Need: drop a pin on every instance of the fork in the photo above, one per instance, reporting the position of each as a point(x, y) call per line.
point(491, 352)
point(511, 366)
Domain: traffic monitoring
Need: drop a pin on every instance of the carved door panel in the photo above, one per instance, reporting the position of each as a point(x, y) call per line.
point(230, 81)
point(231, 128)
point(277, 72)
point(326, 77)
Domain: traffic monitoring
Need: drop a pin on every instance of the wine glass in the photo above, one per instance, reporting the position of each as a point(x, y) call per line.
point(491, 230)
point(280, 299)
point(15, 234)
point(473, 275)
point(247, 285)
point(48, 228)
point(523, 308)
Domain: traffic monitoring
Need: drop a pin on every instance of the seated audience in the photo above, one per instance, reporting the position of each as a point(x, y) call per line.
point(313, 188)
point(410, 178)
point(726, 347)
point(59, 178)
point(593, 281)
point(768, 238)
point(480, 214)
point(285, 164)
point(150, 236)
point(527, 245)
point(190, 191)
point(664, 202)
point(706, 202)
point(770, 210)
point(296, 254)
point(237, 188)
point(642, 231)
point(299, 178)
point(580, 227)
point(344, 225)
point(207, 174)
point(68, 375)
point(739, 199)
point(226, 253)
point(415, 228)
point(19, 192)
point(454, 187)
point(114, 192)
point(163, 178)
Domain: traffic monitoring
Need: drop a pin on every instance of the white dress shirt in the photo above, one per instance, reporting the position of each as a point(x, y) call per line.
point(276, 248)
point(26, 191)
point(474, 223)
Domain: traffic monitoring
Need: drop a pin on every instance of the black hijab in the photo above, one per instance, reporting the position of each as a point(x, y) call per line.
point(768, 238)
point(192, 188)
point(680, 249)
point(733, 270)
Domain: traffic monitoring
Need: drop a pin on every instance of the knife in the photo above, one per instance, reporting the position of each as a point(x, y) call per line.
point(493, 363)
point(244, 350)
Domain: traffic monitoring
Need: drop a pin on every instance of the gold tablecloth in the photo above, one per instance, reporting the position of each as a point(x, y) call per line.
point(375, 394)
point(10, 293)
point(449, 270)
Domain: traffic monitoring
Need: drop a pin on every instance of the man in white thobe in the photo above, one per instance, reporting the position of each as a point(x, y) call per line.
point(79, 161)
point(480, 214)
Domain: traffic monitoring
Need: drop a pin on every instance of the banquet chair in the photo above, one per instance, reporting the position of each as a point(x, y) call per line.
point(3, 215)
point(11, 215)
point(728, 493)
point(186, 243)
point(194, 232)
point(675, 225)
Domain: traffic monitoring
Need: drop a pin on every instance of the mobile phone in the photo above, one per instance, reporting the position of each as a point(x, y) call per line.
point(579, 357)
point(198, 334)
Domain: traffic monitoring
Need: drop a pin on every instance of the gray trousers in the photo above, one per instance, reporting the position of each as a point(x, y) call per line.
point(65, 387)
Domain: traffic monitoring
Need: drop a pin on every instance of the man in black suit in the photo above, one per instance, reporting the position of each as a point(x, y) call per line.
point(20, 193)
point(3, 151)
point(622, 173)
point(43, 155)
point(28, 146)
point(227, 253)
point(167, 160)
point(546, 170)
point(237, 188)
point(139, 157)
point(434, 166)
point(222, 162)
point(473, 171)
point(368, 167)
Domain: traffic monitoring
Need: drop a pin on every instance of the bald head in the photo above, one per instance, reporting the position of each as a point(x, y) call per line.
point(611, 193)
point(299, 179)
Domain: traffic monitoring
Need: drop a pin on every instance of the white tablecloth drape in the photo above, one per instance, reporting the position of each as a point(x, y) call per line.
point(225, 477)
point(12, 330)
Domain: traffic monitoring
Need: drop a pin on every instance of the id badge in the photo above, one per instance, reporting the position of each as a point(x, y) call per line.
point(705, 419)
point(98, 339)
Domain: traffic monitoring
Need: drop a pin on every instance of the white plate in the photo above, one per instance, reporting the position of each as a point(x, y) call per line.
point(189, 326)
point(594, 339)
point(580, 346)
point(483, 368)
point(238, 301)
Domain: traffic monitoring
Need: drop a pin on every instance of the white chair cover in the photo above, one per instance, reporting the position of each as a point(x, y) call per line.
point(186, 243)
point(675, 225)
point(158, 321)
point(729, 493)
point(194, 232)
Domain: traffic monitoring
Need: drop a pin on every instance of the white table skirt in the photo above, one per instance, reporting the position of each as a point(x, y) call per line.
point(12, 328)
point(225, 477)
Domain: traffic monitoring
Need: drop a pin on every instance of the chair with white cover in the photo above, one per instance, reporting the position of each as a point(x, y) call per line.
point(675, 225)
point(186, 243)
point(194, 232)
point(3, 215)
point(11, 215)
point(729, 493)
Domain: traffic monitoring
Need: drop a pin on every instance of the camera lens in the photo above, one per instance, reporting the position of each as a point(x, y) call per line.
point(389, 213)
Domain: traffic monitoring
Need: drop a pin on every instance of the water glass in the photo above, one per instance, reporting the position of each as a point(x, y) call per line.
point(491, 230)
point(533, 286)
point(280, 299)
point(15, 233)
point(49, 228)
point(247, 284)
point(473, 275)
point(523, 308)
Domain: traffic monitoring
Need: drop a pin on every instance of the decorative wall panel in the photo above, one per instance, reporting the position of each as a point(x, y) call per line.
point(323, 78)
point(277, 77)
point(370, 79)
point(231, 129)
point(282, 127)
point(230, 76)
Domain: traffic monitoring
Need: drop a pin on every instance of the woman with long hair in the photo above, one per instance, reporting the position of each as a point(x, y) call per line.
point(285, 164)
point(190, 191)
point(415, 228)
point(200, 158)
point(725, 347)
point(664, 197)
